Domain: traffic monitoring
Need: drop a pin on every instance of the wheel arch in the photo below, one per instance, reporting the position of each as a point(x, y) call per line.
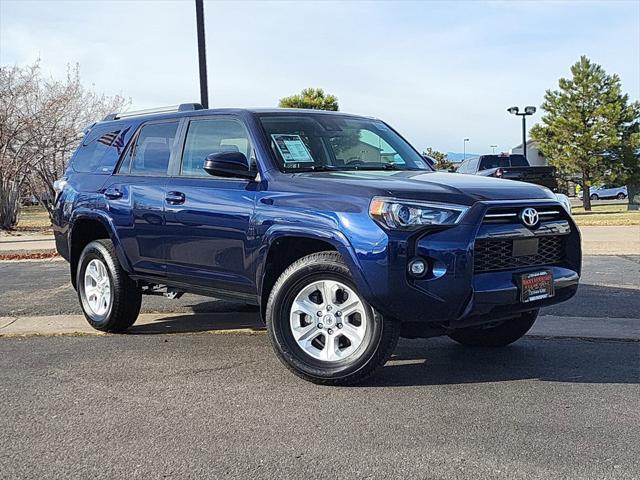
point(85, 227)
point(281, 247)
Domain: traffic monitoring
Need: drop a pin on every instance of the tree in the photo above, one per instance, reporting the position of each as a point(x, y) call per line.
point(313, 98)
point(625, 159)
point(41, 123)
point(442, 161)
point(584, 124)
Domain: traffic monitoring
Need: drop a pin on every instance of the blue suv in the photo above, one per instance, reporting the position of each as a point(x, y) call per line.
point(332, 224)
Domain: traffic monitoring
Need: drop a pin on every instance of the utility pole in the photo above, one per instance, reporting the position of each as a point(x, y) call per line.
point(202, 54)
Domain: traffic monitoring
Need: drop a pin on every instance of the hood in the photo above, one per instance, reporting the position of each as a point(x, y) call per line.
point(432, 186)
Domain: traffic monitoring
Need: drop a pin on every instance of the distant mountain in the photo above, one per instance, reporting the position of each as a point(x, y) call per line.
point(458, 157)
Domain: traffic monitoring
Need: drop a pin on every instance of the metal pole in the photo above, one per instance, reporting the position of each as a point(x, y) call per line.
point(524, 135)
point(202, 55)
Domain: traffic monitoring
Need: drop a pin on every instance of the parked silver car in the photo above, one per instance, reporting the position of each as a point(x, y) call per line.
point(607, 191)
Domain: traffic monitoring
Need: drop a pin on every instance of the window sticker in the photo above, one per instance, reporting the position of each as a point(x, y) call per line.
point(292, 148)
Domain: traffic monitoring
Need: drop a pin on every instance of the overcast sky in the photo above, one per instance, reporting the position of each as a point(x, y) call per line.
point(437, 71)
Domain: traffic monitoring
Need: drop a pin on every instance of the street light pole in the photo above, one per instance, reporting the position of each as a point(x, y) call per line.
point(527, 111)
point(524, 136)
point(493, 148)
point(202, 54)
point(464, 149)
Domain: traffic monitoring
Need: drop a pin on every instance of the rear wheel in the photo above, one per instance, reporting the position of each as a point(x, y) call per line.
point(110, 300)
point(621, 196)
point(320, 326)
point(496, 335)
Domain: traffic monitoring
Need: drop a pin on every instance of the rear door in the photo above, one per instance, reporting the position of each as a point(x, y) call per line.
point(208, 219)
point(136, 196)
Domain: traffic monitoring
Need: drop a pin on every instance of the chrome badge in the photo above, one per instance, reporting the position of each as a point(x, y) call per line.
point(530, 217)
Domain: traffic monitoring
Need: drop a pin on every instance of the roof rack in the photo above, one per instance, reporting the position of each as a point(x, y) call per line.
point(183, 107)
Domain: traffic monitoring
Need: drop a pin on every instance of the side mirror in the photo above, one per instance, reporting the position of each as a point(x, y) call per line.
point(228, 164)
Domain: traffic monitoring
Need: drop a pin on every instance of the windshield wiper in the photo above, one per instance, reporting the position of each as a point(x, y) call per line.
point(385, 166)
point(315, 168)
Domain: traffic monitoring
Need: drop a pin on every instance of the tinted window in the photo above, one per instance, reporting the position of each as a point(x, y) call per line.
point(101, 148)
point(495, 161)
point(205, 137)
point(518, 161)
point(153, 149)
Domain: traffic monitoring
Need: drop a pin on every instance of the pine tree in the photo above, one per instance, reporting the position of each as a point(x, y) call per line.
point(585, 124)
point(313, 98)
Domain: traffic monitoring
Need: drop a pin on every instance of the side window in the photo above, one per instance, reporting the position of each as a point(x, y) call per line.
point(100, 149)
point(463, 167)
point(208, 136)
point(152, 150)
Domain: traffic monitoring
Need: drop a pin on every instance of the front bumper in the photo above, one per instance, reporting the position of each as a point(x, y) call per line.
point(461, 296)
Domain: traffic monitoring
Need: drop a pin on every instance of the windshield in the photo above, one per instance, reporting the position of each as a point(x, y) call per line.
point(494, 161)
point(318, 142)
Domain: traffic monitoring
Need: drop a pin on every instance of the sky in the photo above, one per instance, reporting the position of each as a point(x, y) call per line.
point(437, 71)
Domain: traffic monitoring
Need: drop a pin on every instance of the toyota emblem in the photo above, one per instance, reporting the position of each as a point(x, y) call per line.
point(529, 217)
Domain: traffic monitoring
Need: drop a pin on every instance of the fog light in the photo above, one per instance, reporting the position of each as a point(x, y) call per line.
point(417, 267)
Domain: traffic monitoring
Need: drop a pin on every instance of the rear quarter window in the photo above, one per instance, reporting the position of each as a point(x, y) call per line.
point(101, 148)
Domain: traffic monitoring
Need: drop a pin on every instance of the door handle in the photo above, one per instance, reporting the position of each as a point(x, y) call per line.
point(112, 193)
point(175, 198)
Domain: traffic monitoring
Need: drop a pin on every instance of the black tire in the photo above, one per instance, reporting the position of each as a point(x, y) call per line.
point(125, 295)
point(496, 336)
point(378, 344)
point(594, 197)
point(621, 196)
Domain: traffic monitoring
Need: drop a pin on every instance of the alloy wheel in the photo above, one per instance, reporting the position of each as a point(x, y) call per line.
point(97, 287)
point(328, 321)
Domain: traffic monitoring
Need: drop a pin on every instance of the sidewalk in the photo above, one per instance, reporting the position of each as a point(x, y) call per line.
point(249, 323)
point(623, 240)
point(26, 242)
point(147, 323)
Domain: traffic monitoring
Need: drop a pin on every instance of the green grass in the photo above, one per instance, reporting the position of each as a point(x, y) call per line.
point(606, 215)
point(34, 219)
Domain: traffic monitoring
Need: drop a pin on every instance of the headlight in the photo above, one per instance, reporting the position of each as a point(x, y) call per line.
point(564, 200)
point(410, 214)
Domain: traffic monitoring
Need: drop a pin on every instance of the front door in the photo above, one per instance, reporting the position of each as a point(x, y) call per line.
point(208, 219)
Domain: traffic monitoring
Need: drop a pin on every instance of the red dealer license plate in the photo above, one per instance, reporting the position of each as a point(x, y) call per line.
point(535, 286)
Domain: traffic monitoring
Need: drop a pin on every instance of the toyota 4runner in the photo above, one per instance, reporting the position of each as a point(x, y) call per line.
point(332, 224)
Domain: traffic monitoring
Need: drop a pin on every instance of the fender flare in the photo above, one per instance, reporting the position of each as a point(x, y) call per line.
point(103, 218)
point(333, 237)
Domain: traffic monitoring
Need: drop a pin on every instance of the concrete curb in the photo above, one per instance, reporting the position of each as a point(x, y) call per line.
point(147, 323)
point(547, 326)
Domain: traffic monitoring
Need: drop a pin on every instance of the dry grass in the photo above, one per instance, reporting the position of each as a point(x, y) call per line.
point(606, 215)
point(33, 219)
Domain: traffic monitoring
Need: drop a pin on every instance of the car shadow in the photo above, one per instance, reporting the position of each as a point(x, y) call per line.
point(200, 322)
point(440, 361)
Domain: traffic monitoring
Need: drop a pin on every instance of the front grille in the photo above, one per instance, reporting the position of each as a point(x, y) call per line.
point(491, 255)
point(511, 214)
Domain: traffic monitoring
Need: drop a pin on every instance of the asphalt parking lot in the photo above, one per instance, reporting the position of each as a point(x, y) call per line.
point(196, 405)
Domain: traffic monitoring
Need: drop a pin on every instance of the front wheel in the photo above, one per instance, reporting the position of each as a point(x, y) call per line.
point(594, 197)
point(110, 300)
point(496, 335)
point(320, 326)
